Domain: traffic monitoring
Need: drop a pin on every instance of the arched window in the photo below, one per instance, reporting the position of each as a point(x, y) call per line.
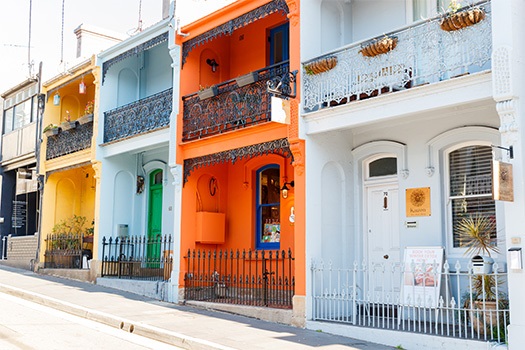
point(268, 207)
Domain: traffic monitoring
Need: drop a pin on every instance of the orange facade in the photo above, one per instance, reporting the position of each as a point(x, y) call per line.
point(243, 158)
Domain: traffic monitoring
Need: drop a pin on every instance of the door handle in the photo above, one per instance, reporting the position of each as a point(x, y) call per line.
point(385, 256)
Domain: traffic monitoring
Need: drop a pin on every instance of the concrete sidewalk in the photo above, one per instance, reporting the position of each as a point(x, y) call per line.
point(182, 326)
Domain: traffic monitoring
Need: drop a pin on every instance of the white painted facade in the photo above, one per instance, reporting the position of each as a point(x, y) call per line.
point(126, 160)
point(419, 126)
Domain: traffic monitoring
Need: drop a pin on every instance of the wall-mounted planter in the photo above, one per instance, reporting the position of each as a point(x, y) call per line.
point(68, 125)
point(321, 66)
point(208, 92)
point(85, 119)
point(379, 47)
point(52, 131)
point(247, 79)
point(462, 19)
point(211, 227)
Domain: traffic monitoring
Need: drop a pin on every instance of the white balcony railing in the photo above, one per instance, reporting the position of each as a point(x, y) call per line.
point(19, 142)
point(424, 54)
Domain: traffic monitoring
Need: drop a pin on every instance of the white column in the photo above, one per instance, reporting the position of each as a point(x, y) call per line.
point(507, 68)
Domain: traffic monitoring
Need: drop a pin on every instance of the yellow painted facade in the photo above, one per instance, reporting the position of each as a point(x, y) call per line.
point(71, 184)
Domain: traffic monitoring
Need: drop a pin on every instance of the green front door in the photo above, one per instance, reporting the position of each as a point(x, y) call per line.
point(155, 216)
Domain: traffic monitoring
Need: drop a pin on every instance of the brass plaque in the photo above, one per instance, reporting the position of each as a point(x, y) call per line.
point(418, 201)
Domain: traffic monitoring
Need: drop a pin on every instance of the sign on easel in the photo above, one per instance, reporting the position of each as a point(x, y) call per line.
point(422, 276)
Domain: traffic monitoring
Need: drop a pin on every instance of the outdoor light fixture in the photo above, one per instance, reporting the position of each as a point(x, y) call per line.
point(56, 99)
point(285, 188)
point(213, 64)
point(82, 87)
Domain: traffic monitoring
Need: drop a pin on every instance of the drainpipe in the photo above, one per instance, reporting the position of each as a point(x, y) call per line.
point(38, 143)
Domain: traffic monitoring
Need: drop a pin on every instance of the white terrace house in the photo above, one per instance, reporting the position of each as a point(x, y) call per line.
point(403, 113)
point(137, 188)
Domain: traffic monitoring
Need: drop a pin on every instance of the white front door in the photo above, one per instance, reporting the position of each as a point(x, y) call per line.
point(382, 240)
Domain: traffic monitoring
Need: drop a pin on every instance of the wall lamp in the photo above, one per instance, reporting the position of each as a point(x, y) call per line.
point(285, 189)
point(213, 64)
point(56, 99)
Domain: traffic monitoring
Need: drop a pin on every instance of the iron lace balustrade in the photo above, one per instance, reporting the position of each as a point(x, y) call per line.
point(139, 117)
point(420, 298)
point(424, 54)
point(233, 107)
point(137, 257)
point(69, 141)
point(260, 278)
point(66, 251)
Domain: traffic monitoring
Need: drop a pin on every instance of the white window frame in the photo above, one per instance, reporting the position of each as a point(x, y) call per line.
point(459, 252)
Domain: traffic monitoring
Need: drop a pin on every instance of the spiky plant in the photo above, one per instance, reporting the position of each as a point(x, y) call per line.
point(476, 234)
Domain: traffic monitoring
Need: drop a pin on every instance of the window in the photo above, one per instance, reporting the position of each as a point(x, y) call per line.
point(8, 120)
point(470, 187)
point(268, 207)
point(382, 167)
point(20, 115)
point(279, 44)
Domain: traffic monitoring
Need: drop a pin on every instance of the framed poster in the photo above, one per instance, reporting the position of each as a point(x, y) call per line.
point(418, 201)
point(422, 276)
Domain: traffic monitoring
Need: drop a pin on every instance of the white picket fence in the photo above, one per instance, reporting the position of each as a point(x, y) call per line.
point(416, 298)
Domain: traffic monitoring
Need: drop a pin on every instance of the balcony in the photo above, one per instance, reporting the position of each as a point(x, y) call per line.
point(424, 53)
point(139, 117)
point(235, 105)
point(69, 141)
point(19, 142)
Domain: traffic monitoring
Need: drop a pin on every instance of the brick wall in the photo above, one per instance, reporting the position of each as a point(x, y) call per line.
point(21, 251)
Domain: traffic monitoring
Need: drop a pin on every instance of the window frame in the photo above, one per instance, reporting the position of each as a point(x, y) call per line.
point(460, 251)
point(259, 245)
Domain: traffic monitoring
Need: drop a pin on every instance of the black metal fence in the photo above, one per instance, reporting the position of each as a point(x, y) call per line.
point(137, 257)
point(258, 278)
point(67, 251)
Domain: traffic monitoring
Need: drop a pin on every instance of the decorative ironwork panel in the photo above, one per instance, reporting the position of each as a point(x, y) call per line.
point(236, 23)
point(234, 107)
point(69, 141)
point(280, 146)
point(132, 52)
point(145, 115)
point(424, 54)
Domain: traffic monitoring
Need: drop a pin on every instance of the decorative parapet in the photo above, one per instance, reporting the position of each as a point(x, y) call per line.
point(232, 108)
point(419, 54)
point(139, 117)
point(69, 141)
point(280, 146)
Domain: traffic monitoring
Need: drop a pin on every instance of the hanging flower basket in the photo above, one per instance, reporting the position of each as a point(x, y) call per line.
point(462, 19)
point(320, 66)
point(379, 47)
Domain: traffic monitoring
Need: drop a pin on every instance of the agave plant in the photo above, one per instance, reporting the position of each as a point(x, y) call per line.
point(476, 233)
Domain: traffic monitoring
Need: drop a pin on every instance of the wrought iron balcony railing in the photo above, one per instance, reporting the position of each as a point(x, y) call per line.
point(420, 54)
point(69, 141)
point(234, 106)
point(145, 115)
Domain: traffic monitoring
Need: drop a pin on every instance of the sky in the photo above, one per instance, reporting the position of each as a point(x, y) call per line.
point(46, 22)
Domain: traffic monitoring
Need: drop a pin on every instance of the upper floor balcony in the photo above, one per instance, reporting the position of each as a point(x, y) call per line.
point(69, 141)
point(19, 142)
point(426, 52)
point(232, 105)
point(139, 117)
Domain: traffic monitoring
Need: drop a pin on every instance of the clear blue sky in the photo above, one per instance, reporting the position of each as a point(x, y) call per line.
point(115, 15)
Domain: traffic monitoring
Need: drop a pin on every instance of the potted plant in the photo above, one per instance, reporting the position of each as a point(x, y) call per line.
point(457, 18)
point(51, 130)
point(68, 124)
point(88, 113)
point(207, 92)
point(484, 299)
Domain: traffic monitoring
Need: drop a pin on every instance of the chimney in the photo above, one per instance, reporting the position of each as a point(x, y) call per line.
point(165, 9)
point(92, 40)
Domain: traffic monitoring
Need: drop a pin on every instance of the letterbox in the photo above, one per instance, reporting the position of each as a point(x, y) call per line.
point(482, 265)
